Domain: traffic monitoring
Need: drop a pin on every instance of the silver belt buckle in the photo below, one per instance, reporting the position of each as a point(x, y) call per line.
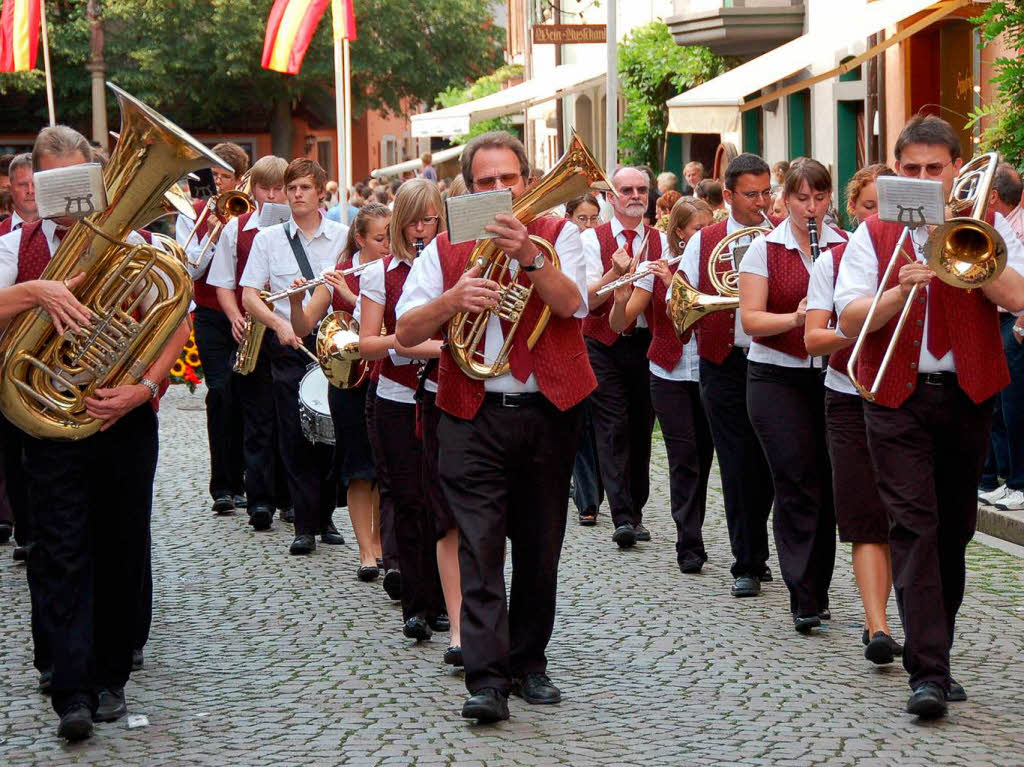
point(507, 401)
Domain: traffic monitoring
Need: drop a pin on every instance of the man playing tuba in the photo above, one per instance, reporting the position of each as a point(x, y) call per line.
point(507, 442)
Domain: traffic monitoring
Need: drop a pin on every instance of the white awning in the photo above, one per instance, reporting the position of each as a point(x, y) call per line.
point(452, 152)
point(457, 120)
point(715, 106)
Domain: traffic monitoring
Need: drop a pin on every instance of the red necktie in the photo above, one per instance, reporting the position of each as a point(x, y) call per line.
point(519, 361)
point(938, 329)
point(630, 235)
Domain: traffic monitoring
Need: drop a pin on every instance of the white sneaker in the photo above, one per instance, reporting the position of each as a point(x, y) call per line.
point(989, 497)
point(1012, 501)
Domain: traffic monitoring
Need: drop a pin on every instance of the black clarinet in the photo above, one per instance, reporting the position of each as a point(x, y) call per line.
point(419, 245)
point(812, 235)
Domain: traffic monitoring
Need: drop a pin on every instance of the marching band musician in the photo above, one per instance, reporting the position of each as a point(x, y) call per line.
point(785, 393)
point(216, 343)
point(722, 347)
point(305, 245)
point(507, 443)
point(254, 391)
point(416, 217)
point(675, 390)
point(88, 563)
point(928, 427)
point(368, 240)
point(860, 513)
point(621, 406)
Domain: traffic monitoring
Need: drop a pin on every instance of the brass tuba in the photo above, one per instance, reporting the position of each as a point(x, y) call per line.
point(576, 173)
point(687, 305)
point(46, 377)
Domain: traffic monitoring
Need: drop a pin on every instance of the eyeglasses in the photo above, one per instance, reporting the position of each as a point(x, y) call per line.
point(588, 219)
point(629, 191)
point(489, 182)
point(933, 169)
point(424, 222)
point(755, 196)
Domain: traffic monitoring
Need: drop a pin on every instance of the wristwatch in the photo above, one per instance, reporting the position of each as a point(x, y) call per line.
point(538, 262)
point(154, 389)
point(1018, 330)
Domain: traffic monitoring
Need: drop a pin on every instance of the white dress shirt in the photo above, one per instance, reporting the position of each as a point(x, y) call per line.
point(858, 278)
point(756, 262)
point(182, 229)
point(592, 252)
point(690, 266)
point(16, 221)
point(224, 265)
point(272, 261)
point(426, 283)
point(688, 367)
point(820, 296)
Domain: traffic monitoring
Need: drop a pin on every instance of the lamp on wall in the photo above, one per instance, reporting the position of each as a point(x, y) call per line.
point(309, 143)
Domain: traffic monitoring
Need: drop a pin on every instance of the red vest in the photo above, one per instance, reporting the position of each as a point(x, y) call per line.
point(560, 362)
point(595, 325)
point(204, 295)
point(243, 244)
point(352, 280)
point(716, 332)
point(974, 335)
point(33, 252)
point(666, 349)
point(837, 360)
point(5, 226)
point(394, 281)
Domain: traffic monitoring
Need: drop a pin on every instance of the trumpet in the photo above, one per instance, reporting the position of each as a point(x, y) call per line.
point(226, 206)
point(289, 292)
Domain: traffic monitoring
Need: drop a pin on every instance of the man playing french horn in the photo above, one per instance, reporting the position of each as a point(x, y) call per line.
point(507, 440)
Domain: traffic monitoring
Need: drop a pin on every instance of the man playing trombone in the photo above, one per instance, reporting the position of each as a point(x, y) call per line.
point(928, 424)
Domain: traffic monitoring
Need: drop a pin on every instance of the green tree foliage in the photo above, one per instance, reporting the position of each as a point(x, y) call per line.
point(198, 61)
point(1005, 132)
point(483, 86)
point(653, 69)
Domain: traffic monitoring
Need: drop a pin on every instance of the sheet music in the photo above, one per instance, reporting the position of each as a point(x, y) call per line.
point(910, 201)
point(272, 213)
point(468, 214)
point(76, 191)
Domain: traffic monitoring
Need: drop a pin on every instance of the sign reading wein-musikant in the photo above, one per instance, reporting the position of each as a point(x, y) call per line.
point(569, 34)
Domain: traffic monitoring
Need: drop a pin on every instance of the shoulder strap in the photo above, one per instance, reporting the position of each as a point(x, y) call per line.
point(300, 257)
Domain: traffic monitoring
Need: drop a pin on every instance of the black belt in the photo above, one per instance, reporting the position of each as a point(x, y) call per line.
point(514, 400)
point(937, 379)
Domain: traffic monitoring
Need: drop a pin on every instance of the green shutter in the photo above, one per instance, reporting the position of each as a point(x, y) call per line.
point(846, 128)
point(752, 131)
point(799, 114)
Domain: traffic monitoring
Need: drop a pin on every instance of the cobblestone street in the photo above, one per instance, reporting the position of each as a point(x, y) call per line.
point(259, 658)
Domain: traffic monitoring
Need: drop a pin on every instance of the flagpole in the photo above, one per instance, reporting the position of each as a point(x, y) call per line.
point(339, 117)
point(46, 63)
point(348, 113)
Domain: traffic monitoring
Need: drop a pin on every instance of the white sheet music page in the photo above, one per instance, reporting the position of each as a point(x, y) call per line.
point(76, 191)
point(912, 202)
point(272, 213)
point(468, 214)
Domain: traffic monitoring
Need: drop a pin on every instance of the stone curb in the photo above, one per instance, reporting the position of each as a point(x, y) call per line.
point(1008, 525)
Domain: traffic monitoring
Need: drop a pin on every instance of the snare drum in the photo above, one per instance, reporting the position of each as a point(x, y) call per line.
point(314, 412)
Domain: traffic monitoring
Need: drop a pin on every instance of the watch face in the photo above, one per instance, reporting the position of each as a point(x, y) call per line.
point(538, 262)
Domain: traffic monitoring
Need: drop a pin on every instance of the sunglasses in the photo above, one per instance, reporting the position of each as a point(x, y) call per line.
point(489, 182)
point(933, 169)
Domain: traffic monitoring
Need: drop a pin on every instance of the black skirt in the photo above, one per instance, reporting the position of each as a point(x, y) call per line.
point(353, 458)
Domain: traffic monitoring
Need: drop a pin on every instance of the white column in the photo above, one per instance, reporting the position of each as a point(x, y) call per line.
point(612, 92)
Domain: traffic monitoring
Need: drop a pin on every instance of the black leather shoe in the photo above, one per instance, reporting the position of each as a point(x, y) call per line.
point(138, 660)
point(224, 505)
point(746, 586)
point(367, 573)
point(20, 553)
point(303, 544)
point(865, 639)
point(588, 517)
point(75, 723)
point(881, 649)
point(240, 500)
point(690, 565)
point(110, 706)
point(624, 536)
point(453, 656)
point(825, 615)
point(537, 688)
point(486, 706)
point(6, 530)
point(766, 576)
point(956, 692)
point(440, 623)
point(261, 517)
point(928, 701)
point(393, 584)
point(641, 533)
point(45, 681)
point(380, 563)
point(416, 628)
point(804, 623)
point(331, 536)
point(288, 515)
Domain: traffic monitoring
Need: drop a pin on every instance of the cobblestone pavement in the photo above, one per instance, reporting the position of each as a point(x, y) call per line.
point(259, 658)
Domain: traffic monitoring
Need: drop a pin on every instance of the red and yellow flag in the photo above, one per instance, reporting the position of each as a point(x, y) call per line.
point(343, 16)
point(19, 35)
point(290, 30)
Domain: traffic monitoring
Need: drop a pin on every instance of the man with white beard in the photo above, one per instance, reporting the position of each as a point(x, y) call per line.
point(622, 410)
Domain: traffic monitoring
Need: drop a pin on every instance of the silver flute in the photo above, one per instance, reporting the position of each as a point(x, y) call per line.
point(642, 271)
point(283, 294)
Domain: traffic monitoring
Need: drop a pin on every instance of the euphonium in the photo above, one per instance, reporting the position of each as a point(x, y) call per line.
point(46, 377)
point(687, 305)
point(576, 173)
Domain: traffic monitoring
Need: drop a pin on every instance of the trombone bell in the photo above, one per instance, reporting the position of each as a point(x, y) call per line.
point(966, 252)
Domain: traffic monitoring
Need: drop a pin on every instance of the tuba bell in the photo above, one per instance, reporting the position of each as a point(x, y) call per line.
point(47, 377)
point(687, 305)
point(576, 173)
